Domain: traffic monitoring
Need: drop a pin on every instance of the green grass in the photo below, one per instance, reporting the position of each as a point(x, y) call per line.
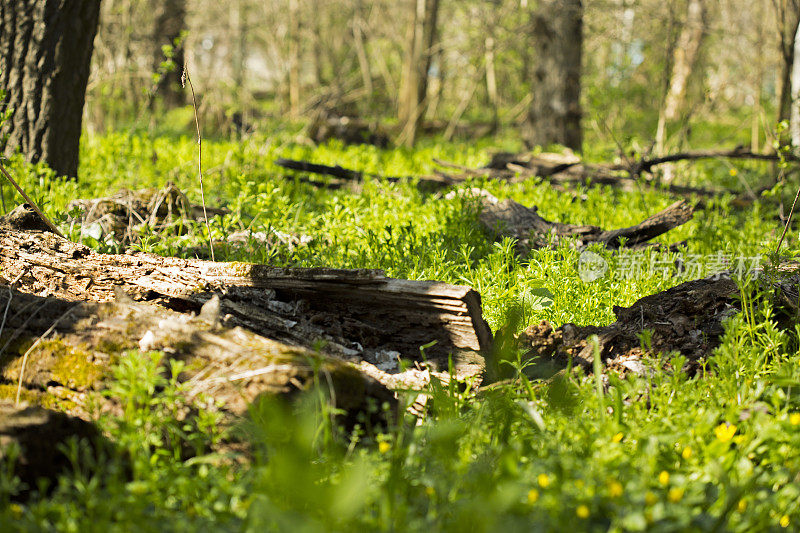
point(647, 454)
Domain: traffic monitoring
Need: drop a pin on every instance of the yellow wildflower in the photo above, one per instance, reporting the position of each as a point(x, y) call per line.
point(686, 453)
point(16, 510)
point(725, 432)
point(544, 480)
point(430, 491)
point(742, 505)
point(582, 511)
point(650, 498)
point(794, 419)
point(384, 446)
point(533, 496)
point(733, 172)
point(784, 521)
point(675, 494)
point(615, 489)
point(663, 477)
point(617, 437)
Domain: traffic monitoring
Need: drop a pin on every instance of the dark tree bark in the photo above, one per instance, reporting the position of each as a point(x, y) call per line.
point(45, 52)
point(556, 37)
point(170, 23)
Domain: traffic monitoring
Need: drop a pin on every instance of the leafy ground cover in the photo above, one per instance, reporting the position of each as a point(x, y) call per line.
point(666, 451)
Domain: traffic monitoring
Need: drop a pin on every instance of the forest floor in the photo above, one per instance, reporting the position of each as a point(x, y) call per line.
point(664, 449)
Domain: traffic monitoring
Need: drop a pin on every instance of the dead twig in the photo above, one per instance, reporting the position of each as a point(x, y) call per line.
point(186, 78)
point(30, 202)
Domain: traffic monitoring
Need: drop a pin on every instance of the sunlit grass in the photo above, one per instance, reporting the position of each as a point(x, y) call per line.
point(666, 452)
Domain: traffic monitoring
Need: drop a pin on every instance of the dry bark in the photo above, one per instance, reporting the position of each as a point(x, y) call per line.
point(71, 345)
point(512, 219)
point(357, 315)
point(687, 319)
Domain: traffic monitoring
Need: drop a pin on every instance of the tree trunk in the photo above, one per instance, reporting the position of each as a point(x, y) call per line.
point(557, 39)
point(794, 116)
point(414, 86)
point(789, 24)
point(684, 60)
point(170, 24)
point(45, 52)
point(295, 27)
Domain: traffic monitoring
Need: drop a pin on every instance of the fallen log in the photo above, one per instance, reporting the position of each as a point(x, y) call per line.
point(531, 231)
point(356, 315)
point(687, 319)
point(59, 352)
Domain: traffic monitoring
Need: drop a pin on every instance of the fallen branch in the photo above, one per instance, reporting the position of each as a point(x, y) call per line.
point(568, 168)
point(647, 164)
point(349, 175)
point(512, 219)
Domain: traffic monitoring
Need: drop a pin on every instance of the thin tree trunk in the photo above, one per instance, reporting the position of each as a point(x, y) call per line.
point(789, 24)
point(491, 78)
point(169, 26)
point(556, 37)
point(360, 45)
point(414, 86)
point(794, 122)
point(295, 28)
point(684, 60)
point(239, 44)
point(45, 53)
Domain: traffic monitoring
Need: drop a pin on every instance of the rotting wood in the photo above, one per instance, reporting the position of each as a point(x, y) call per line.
point(358, 315)
point(512, 219)
point(231, 365)
point(687, 319)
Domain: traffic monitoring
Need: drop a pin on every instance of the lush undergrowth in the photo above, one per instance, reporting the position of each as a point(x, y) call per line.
point(665, 452)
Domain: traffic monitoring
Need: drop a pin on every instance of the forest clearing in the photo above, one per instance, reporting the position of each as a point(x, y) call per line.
point(398, 280)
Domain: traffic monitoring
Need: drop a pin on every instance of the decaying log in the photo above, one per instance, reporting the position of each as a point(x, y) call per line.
point(512, 219)
point(687, 319)
point(61, 352)
point(360, 315)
